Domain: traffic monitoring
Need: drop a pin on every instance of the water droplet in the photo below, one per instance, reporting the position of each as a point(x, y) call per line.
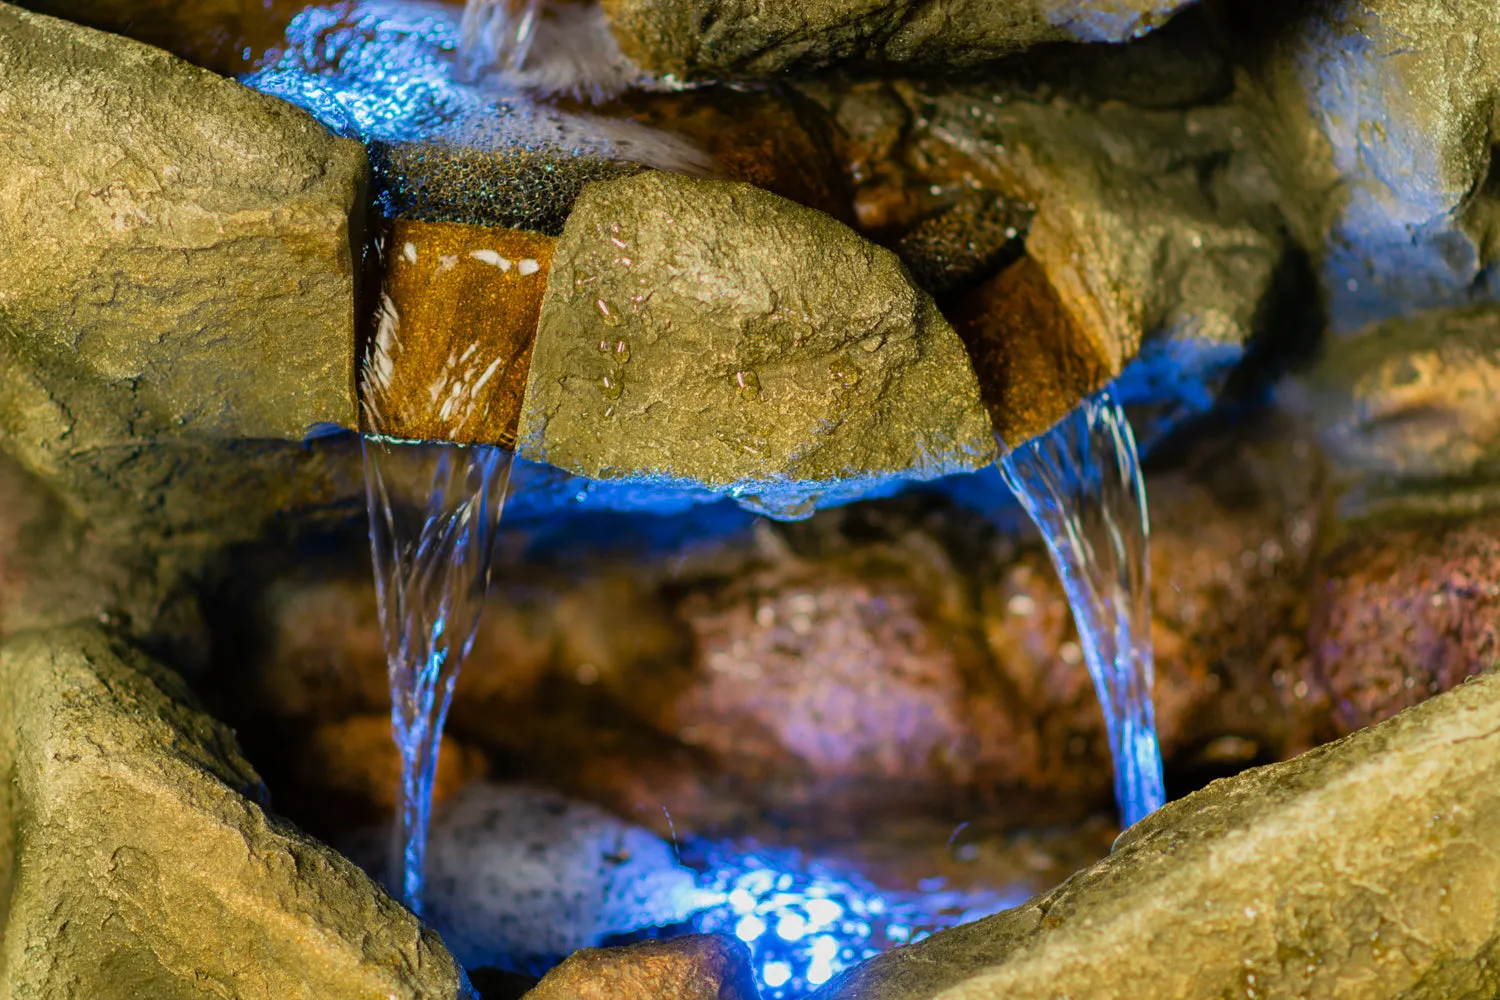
point(608, 313)
point(611, 385)
point(747, 384)
point(844, 374)
point(622, 352)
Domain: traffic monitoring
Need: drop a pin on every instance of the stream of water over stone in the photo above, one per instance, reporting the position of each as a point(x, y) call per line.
point(432, 567)
point(496, 34)
point(1081, 484)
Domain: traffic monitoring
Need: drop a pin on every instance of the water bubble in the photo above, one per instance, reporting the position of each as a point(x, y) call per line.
point(611, 385)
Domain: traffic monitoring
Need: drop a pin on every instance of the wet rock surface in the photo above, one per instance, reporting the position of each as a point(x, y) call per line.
point(1327, 875)
point(131, 824)
point(727, 39)
point(749, 346)
point(696, 967)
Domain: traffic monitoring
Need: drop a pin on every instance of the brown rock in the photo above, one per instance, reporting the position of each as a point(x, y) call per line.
point(1406, 611)
point(695, 967)
point(458, 318)
point(1033, 360)
point(358, 758)
point(774, 139)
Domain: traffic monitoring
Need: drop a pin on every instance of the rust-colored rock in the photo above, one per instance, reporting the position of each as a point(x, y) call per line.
point(357, 758)
point(695, 967)
point(1404, 612)
point(1034, 363)
point(458, 318)
point(775, 140)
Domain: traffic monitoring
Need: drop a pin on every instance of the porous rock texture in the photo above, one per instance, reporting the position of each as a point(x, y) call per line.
point(177, 288)
point(709, 334)
point(693, 967)
point(1156, 235)
point(136, 859)
point(727, 39)
point(174, 236)
point(1362, 869)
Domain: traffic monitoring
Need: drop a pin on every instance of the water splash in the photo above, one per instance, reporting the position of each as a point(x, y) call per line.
point(1081, 483)
point(434, 510)
point(496, 34)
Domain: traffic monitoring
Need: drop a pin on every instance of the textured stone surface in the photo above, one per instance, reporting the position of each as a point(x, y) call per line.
point(520, 877)
point(1158, 227)
point(1361, 869)
point(182, 242)
point(458, 315)
point(136, 862)
point(1382, 116)
point(710, 334)
point(694, 967)
point(715, 39)
point(1411, 400)
point(1405, 609)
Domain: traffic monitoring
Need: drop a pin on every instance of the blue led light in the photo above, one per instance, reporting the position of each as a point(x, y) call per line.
point(807, 921)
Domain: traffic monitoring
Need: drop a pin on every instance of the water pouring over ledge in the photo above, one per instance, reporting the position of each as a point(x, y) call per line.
point(1081, 484)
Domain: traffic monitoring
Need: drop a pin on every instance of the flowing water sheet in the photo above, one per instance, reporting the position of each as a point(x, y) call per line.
point(434, 510)
point(1081, 483)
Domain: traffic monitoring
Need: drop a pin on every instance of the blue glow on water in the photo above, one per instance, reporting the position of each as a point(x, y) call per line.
point(1081, 483)
point(806, 921)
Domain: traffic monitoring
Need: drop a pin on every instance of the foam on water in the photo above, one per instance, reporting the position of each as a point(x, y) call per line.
point(1081, 483)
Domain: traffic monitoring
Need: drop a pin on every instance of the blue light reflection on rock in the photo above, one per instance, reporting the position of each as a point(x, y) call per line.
point(806, 921)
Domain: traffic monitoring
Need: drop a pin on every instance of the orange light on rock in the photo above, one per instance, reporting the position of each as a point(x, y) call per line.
point(457, 320)
point(1033, 361)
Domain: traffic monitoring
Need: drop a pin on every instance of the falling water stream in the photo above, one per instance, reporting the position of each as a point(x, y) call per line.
point(1081, 483)
point(432, 567)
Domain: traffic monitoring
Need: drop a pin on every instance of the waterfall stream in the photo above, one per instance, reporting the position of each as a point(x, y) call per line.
point(496, 35)
point(432, 566)
point(1081, 483)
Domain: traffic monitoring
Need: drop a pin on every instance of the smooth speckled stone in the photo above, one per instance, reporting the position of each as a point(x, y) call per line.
point(711, 335)
point(519, 877)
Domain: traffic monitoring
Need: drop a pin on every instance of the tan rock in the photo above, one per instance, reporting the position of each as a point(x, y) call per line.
point(695, 967)
point(748, 346)
point(136, 860)
point(1354, 871)
point(184, 244)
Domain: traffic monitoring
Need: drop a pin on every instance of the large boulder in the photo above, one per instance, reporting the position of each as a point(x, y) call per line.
point(719, 39)
point(1382, 116)
point(181, 241)
point(1358, 870)
point(136, 859)
point(177, 288)
point(711, 335)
